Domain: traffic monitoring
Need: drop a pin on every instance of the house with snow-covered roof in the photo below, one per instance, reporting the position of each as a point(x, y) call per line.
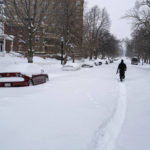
point(6, 40)
point(13, 36)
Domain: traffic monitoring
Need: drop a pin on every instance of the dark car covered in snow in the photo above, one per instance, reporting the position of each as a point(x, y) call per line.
point(134, 61)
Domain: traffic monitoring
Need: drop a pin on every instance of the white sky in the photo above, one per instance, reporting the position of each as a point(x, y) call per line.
point(116, 9)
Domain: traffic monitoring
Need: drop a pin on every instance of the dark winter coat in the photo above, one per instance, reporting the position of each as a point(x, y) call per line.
point(122, 67)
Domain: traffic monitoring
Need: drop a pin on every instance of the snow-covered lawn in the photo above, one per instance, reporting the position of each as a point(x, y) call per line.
point(76, 110)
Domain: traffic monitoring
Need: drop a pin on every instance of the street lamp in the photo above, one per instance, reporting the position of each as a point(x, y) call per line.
point(62, 46)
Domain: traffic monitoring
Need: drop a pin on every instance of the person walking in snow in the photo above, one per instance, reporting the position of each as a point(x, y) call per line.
point(121, 69)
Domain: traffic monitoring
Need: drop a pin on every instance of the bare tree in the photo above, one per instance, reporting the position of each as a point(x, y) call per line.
point(140, 17)
point(108, 45)
point(29, 16)
point(68, 23)
point(96, 20)
point(139, 45)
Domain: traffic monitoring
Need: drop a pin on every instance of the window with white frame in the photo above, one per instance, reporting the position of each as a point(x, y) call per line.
point(37, 39)
point(78, 3)
point(19, 47)
point(1, 28)
point(37, 48)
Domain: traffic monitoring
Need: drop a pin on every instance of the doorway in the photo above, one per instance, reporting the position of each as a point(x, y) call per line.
point(1, 46)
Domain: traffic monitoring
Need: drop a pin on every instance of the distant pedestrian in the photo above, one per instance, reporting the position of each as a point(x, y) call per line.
point(121, 69)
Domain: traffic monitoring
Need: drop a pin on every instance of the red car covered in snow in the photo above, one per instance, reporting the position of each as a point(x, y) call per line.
point(17, 79)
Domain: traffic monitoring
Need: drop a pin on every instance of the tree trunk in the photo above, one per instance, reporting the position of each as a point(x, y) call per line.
point(73, 58)
point(30, 47)
point(103, 54)
point(91, 53)
point(30, 56)
point(96, 54)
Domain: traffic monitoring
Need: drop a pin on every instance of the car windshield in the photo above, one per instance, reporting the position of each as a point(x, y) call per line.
point(134, 59)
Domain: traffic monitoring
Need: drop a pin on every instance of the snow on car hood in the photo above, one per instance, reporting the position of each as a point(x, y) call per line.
point(24, 68)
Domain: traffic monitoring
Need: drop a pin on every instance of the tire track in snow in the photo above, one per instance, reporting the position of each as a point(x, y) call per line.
point(106, 135)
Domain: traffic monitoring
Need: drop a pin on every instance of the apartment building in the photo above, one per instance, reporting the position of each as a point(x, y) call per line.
point(65, 19)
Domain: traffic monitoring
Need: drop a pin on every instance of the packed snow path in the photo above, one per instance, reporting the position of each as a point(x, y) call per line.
point(107, 133)
point(135, 133)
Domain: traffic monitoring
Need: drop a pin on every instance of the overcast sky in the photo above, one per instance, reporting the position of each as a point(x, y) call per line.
point(116, 9)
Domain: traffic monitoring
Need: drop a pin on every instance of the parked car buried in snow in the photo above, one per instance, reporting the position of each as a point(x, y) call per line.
point(87, 66)
point(17, 79)
point(71, 67)
point(98, 63)
point(134, 61)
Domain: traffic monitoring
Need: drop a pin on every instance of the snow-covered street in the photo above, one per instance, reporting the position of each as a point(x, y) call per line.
point(135, 132)
point(87, 109)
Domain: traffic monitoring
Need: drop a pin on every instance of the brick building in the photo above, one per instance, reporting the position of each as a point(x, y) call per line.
point(18, 43)
point(46, 41)
point(66, 17)
point(6, 40)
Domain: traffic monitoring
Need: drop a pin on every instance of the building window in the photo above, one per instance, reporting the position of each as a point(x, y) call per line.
point(20, 48)
point(1, 28)
point(78, 3)
point(1, 2)
point(43, 47)
point(1, 46)
point(37, 39)
point(36, 48)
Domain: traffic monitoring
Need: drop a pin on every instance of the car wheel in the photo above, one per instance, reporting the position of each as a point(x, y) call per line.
point(47, 79)
point(30, 83)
